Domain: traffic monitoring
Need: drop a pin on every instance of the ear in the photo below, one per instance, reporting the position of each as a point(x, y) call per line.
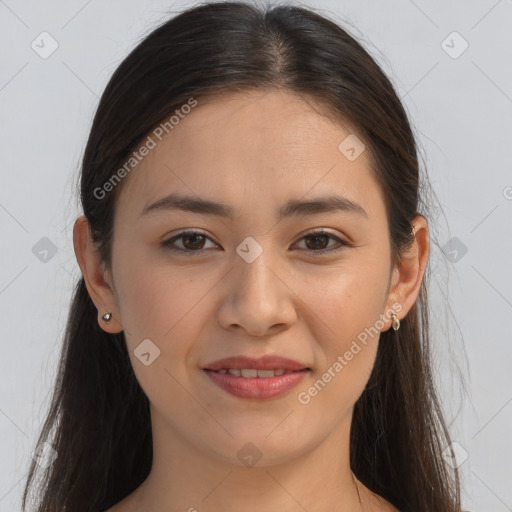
point(97, 280)
point(407, 277)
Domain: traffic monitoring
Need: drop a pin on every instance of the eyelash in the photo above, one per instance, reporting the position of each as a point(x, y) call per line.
point(168, 243)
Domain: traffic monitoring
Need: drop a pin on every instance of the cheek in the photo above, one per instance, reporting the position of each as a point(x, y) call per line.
point(162, 305)
point(158, 307)
point(152, 297)
point(348, 302)
point(346, 356)
point(347, 324)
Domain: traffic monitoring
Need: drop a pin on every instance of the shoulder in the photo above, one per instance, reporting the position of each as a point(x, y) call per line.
point(387, 507)
point(127, 504)
point(378, 503)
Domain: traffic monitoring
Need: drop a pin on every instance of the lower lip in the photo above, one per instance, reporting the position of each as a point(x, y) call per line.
point(256, 387)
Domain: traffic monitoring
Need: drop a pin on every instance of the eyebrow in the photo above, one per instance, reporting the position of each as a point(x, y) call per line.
point(293, 207)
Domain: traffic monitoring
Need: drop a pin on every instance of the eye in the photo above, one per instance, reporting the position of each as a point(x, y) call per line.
point(194, 241)
point(319, 239)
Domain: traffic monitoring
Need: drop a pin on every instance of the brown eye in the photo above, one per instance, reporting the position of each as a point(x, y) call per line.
point(317, 243)
point(191, 241)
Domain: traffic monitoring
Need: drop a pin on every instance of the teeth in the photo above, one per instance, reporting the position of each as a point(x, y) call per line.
point(252, 372)
point(264, 373)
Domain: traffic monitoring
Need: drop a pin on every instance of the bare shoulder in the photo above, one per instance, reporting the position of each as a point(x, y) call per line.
point(390, 508)
point(115, 508)
point(378, 503)
point(385, 506)
point(119, 507)
point(127, 504)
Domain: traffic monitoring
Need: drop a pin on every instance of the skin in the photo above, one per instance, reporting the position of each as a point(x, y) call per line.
point(252, 151)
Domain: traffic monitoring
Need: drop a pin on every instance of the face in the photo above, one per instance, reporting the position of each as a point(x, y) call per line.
point(304, 285)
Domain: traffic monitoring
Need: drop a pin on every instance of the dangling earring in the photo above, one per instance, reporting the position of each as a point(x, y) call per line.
point(396, 323)
point(106, 317)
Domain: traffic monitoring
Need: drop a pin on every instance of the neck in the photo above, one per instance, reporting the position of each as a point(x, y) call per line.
point(190, 478)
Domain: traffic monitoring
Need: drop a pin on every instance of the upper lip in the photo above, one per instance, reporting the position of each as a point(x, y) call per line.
point(259, 363)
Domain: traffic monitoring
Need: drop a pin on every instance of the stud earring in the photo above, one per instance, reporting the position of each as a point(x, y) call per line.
point(396, 323)
point(106, 317)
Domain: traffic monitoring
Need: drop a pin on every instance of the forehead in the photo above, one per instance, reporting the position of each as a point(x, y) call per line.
point(253, 148)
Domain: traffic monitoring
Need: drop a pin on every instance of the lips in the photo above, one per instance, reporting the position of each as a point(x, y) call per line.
point(238, 364)
point(253, 372)
point(265, 377)
point(256, 388)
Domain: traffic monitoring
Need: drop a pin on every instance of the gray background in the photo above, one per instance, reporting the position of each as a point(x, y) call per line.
point(460, 105)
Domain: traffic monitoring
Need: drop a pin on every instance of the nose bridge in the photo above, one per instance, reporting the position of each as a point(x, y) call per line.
point(256, 297)
point(253, 275)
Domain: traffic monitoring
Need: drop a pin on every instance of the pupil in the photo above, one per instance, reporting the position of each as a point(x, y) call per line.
point(188, 237)
point(316, 237)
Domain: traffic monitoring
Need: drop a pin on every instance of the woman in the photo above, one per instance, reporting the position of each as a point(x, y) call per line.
point(250, 331)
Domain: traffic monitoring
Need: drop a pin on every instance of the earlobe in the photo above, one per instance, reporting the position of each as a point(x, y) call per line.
point(93, 271)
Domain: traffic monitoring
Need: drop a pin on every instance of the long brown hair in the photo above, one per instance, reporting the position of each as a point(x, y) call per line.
point(98, 421)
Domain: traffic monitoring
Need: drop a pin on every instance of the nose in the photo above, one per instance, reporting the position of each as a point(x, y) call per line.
point(257, 298)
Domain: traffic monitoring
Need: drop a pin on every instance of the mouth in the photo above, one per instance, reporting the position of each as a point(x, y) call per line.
point(267, 376)
point(256, 384)
point(247, 363)
point(255, 372)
